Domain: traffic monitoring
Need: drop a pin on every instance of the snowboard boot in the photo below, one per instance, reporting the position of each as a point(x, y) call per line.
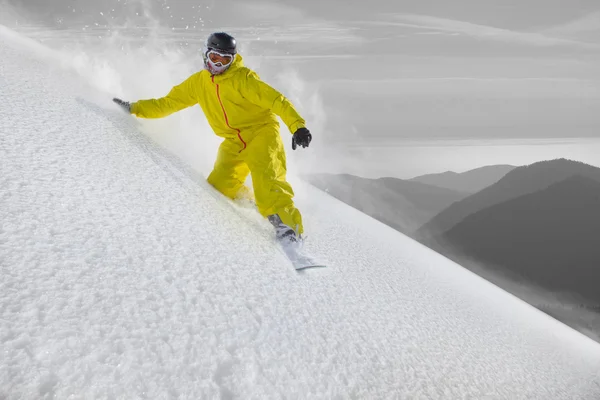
point(282, 231)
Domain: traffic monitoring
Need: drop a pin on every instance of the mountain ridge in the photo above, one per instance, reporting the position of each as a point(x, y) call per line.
point(519, 181)
point(470, 181)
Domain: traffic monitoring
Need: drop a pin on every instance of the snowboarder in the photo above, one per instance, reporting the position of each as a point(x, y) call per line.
point(242, 109)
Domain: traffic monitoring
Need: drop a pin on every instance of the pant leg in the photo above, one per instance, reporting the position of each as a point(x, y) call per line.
point(230, 171)
point(266, 158)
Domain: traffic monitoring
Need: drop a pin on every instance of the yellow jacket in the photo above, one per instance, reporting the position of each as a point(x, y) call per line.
point(234, 102)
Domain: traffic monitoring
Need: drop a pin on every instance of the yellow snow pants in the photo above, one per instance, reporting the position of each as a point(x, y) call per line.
point(258, 152)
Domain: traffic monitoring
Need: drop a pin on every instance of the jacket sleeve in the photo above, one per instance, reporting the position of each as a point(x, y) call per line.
point(263, 95)
point(180, 97)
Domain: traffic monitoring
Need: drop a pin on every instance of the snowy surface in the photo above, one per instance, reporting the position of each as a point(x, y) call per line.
point(125, 275)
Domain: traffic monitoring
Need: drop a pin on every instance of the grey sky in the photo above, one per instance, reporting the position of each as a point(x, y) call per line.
point(423, 69)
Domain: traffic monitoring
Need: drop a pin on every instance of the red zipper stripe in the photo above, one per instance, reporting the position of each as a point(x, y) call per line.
point(225, 115)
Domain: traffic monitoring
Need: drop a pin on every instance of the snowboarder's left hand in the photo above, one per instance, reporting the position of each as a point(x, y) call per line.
point(302, 137)
point(125, 105)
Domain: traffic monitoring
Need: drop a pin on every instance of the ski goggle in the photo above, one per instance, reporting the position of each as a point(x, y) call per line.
point(219, 58)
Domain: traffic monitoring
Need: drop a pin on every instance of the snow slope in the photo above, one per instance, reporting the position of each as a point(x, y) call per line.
point(125, 275)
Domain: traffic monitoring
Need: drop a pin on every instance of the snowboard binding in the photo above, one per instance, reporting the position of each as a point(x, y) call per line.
point(282, 231)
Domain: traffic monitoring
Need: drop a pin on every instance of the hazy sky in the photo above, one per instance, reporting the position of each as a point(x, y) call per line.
point(405, 70)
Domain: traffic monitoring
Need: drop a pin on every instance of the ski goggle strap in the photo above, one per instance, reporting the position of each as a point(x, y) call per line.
point(219, 59)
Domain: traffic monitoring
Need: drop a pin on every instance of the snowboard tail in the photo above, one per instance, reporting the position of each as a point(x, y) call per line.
point(298, 258)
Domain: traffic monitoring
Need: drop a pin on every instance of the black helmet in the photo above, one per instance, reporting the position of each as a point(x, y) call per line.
point(222, 42)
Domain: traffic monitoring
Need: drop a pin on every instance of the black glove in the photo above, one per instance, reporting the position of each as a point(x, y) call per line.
point(302, 137)
point(125, 105)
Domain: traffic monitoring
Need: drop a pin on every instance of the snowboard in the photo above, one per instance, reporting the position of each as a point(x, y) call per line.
point(298, 258)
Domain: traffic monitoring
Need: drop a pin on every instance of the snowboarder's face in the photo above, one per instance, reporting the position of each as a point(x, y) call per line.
point(217, 62)
point(219, 59)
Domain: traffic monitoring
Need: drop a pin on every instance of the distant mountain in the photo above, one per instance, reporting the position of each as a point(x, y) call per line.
point(471, 181)
point(550, 237)
point(518, 182)
point(403, 205)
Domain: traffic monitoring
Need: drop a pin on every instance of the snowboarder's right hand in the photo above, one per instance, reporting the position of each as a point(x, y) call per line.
point(125, 105)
